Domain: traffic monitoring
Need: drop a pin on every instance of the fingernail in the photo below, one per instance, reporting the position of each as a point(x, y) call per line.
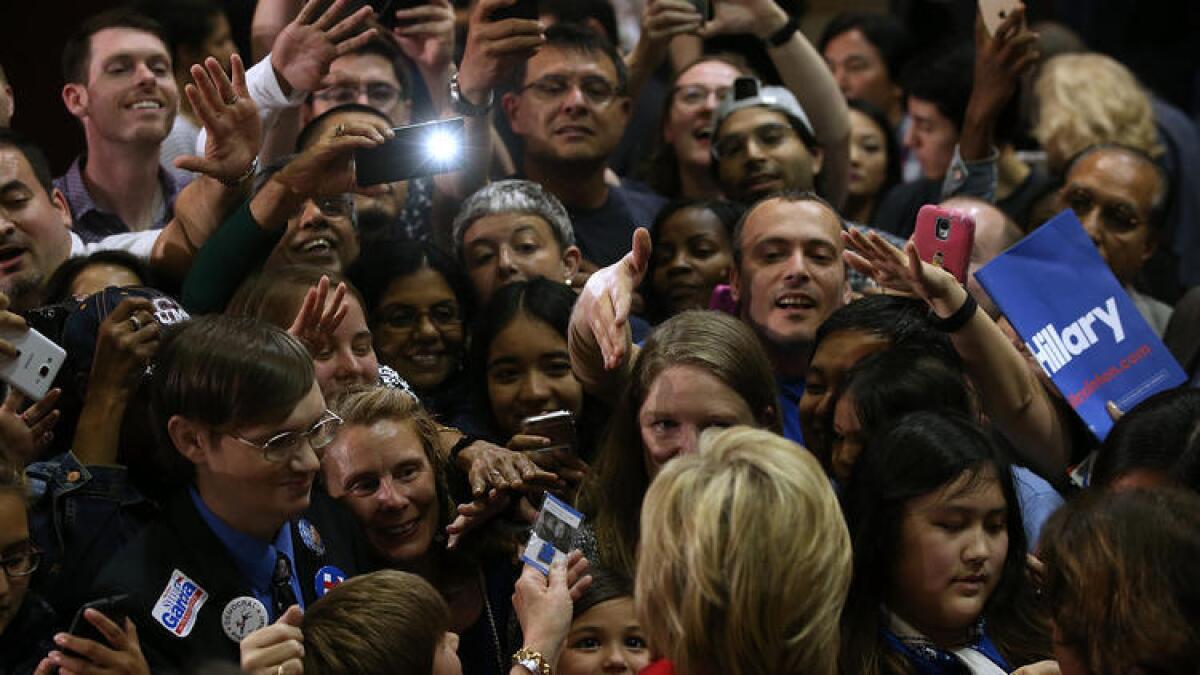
point(60, 638)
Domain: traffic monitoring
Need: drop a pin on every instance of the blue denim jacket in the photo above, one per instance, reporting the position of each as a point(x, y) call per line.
point(80, 516)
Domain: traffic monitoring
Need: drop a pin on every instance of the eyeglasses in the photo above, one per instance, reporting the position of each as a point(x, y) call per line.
point(1118, 218)
point(444, 316)
point(695, 95)
point(379, 94)
point(597, 90)
point(21, 564)
point(767, 136)
point(282, 447)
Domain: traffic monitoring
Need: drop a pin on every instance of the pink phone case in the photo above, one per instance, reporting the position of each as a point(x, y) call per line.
point(944, 237)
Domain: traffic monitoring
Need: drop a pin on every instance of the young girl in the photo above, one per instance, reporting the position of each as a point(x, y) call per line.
point(605, 635)
point(939, 556)
point(692, 254)
point(521, 366)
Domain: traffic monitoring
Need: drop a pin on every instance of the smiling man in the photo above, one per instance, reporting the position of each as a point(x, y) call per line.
point(247, 533)
point(569, 111)
point(121, 87)
point(763, 143)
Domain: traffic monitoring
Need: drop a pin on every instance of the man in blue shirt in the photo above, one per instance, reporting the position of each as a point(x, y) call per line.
point(247, 536)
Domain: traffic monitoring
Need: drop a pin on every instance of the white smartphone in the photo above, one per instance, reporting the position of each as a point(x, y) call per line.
point(36, 364)
point(995, 12)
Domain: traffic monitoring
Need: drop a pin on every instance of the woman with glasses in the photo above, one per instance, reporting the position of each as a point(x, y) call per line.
point(245, 535)
point(26, 621)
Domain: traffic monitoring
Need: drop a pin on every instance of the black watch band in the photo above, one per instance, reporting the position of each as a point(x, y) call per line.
point(781, 36)
point(958, 319)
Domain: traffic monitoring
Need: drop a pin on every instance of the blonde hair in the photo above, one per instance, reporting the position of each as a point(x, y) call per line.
point(1085, 99)
point(745, 559)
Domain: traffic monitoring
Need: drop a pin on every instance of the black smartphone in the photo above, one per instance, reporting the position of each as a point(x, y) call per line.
point(421, 149)
point(115, 607)
point(705, 7)
point(521, 9)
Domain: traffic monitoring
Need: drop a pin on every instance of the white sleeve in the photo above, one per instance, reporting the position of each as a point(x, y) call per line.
point(267, 94)
point(140, 244)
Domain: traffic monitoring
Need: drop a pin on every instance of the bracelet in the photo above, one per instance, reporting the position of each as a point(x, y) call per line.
point(531, 660)
point(238, 180)
point(781, 36)
point(958, 319)
point(466, 440)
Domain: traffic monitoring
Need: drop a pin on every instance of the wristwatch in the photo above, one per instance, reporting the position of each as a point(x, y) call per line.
point(531, 660)
point(464, 107)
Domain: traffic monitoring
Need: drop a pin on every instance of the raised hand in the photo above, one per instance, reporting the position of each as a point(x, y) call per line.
point(317, 319)
point(304, 49)
point(494, 48)
point(234, 130)
point(760, 18)
point(664, 19)
point(326, 168)
point(897, 270)
point(425, 34)
point(28, 434)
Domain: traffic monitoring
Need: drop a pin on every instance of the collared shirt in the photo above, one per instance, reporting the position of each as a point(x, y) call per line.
point(254, 557)
point(93, 224)
point(790, 391)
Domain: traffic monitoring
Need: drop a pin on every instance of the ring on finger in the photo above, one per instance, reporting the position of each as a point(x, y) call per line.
point(136, 323)
point(339, 130)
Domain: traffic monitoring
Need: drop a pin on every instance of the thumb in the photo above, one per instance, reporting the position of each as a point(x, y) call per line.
point(292, 617)
point(639, 255)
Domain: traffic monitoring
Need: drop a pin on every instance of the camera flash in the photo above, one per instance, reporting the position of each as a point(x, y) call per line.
point(441, 146)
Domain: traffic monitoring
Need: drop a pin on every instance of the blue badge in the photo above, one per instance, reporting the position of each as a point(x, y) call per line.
point(327, 577)
point(310, 537)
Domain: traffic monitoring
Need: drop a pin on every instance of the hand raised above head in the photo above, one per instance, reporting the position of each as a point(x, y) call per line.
point(305, 47)
point(494, 48)
point(234, 130)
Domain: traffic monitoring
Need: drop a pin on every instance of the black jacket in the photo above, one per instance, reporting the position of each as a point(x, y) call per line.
point(180, 541)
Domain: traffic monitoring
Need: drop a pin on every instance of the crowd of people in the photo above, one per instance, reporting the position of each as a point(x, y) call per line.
point(297, 426)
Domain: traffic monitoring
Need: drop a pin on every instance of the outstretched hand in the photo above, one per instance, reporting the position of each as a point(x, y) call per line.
point(305, 47)
point(228, 114)
point(664, 19)
point(760, 18)
point(1001, 60)
point(494, 49)
point(326, 168)
point(606, 299)
point(425, 34)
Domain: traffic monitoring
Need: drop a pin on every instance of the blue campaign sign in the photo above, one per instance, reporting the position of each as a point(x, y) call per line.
point(1078, 323)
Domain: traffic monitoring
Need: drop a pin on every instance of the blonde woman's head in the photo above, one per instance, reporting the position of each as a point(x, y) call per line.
point(1086, 99)
point(745, 559)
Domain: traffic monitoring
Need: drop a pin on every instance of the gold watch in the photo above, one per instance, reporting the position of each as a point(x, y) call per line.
point(531, 660)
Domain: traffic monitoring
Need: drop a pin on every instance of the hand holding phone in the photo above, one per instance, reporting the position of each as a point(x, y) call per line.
point(36, 361)
point(421, 149)
point(994, 12)
point(944, 238)
point(557, 426)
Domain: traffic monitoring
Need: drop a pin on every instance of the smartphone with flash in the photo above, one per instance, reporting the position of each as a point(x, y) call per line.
point(558, 426)
point(994, 12)
point(944, 237)
point(423, 149)
point(36, 364)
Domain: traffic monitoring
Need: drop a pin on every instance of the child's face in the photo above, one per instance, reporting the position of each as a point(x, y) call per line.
point(953, 543)
point(605, 639)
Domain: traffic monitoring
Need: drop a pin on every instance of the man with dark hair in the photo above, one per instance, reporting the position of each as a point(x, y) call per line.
point(247, 536)
point(569, 110)
point(867, 53)
point(121, 87)
point(1120, 194)
point(372, 75)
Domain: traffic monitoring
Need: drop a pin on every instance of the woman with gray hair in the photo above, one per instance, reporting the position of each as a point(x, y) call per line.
point(514, 230)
